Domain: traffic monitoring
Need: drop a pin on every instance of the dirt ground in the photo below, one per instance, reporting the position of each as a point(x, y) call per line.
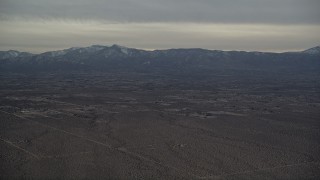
point(142, 126)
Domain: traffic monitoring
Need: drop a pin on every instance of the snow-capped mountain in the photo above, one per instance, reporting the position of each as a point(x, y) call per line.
point(120, 57)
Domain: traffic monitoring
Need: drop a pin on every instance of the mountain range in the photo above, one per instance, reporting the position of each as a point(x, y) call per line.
point(115, 57)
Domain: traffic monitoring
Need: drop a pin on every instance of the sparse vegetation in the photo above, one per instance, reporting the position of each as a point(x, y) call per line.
point(118, 125)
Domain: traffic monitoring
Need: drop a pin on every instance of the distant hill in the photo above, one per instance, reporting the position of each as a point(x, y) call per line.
point(115, 57)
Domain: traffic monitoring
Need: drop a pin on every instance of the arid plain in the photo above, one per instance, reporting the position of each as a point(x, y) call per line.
point(152, 126)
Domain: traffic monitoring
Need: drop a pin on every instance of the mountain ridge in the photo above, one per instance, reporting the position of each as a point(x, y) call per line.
point(93, 48)
point(98, 57)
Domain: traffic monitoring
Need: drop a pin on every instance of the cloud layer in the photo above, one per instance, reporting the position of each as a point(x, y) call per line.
point(264, 25)
point(213, 11)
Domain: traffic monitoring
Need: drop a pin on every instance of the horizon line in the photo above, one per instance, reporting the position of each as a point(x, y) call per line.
point(159, 49)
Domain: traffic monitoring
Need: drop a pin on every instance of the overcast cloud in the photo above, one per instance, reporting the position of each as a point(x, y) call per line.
point(270, 25)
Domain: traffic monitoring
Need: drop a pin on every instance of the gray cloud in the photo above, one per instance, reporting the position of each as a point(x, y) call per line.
point(39, 36)
point(253, 25)
point(213, 11)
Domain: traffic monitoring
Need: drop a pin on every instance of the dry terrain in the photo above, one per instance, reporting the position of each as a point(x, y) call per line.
point(153, 126)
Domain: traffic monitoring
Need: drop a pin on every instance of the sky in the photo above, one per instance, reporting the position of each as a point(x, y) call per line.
point(252, 25)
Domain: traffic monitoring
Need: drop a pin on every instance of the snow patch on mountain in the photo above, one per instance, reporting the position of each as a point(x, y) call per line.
point(92, 49)
point(13, 54)
point(123, 49)
point(58, 53)
point(314, 50)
